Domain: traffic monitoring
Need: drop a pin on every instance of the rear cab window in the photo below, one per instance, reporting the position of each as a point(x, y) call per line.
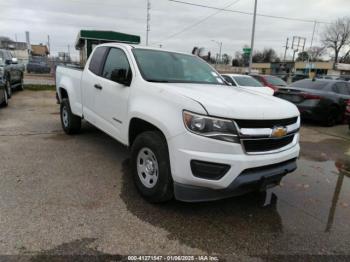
point(97, 58)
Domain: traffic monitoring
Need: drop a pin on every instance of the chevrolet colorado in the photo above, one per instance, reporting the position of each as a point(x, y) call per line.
point(192, 136)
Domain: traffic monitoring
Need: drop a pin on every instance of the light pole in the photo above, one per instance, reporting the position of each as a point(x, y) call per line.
point(252, 40)
point(220, 47)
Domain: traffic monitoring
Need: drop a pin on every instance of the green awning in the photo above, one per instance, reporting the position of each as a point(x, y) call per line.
point(105, 36)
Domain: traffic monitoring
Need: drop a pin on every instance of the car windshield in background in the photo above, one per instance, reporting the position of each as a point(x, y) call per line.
point(310, 84)
point(247, 81)
point(276, 81)
point(162, 66)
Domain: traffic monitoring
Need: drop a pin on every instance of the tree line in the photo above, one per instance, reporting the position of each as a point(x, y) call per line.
point(335, 42)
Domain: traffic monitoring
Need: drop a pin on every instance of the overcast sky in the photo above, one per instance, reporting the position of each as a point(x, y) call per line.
point(62, 19)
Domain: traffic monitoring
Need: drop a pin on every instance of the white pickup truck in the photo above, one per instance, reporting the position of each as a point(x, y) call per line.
point(192, 136)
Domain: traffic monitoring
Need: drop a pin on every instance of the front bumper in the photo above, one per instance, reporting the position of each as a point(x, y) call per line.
point(214, 151)
point(253, 179)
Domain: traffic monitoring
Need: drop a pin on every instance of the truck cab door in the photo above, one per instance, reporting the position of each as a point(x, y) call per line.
point(111, 97)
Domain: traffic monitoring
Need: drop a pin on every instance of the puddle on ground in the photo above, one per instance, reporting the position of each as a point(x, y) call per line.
point(308, 213)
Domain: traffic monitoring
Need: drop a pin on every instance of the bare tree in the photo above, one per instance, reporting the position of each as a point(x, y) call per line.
point(268, 55)
point(316, 52)
point(336, 36)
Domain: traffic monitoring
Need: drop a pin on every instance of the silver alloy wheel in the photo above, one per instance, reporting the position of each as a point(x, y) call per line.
point(65, 116)
point(147, 167)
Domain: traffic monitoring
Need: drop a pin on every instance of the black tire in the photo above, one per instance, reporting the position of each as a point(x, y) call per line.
point(5, 101)
point(332, 116)
point(8, 88)
point(21, 86)
point(71, 123)
point(163, 189)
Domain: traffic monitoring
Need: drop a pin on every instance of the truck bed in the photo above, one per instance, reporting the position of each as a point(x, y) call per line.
point(68, 77)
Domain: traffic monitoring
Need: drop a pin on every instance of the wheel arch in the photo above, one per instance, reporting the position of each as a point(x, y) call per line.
point(138, 126)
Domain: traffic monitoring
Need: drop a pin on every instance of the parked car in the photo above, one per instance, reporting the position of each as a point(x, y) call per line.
point(273, 82)
point(11, 73)
point(318, 99)
point(39, 67)
point(191, 135)
point(297, 77)
point(247, 82)
point(3, 96)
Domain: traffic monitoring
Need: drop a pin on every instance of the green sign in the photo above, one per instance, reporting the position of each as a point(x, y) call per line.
point(247, 50)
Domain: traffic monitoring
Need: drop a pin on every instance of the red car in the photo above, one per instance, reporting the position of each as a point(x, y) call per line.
point(273, 82)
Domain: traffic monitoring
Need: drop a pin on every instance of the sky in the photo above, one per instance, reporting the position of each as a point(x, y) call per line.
point(62, 19)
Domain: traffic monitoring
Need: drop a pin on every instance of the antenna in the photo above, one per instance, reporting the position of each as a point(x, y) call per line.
point(148, 28)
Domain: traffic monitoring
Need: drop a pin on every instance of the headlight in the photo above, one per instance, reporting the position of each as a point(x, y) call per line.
point(216, 128)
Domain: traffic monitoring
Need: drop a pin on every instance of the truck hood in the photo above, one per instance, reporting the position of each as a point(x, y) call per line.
point(235, 103)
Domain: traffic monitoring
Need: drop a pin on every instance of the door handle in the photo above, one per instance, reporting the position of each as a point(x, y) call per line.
point(97, 86)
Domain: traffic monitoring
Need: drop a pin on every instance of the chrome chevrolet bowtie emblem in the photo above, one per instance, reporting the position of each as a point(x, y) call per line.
point(278, 131)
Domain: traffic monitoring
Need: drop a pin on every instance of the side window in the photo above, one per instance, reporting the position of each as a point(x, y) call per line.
point(342, 88)
point(115, 62)
point(97, 60)
point(229, 79)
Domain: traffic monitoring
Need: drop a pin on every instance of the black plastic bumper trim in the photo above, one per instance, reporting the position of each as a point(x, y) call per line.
point(253, 179)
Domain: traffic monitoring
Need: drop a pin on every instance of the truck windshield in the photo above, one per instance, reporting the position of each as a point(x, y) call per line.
point(169, 67)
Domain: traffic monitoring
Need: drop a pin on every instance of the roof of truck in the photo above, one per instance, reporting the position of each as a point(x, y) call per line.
point(116, 44)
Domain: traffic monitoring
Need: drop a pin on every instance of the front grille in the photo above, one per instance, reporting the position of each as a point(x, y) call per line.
point(265, 123)
point(268, 144)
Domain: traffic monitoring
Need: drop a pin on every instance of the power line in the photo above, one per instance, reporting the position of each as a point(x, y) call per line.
point(198, 22)
point(248, 13)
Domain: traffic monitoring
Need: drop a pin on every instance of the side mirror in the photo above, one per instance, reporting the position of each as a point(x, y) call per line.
point(14, 60)
point(121, 76)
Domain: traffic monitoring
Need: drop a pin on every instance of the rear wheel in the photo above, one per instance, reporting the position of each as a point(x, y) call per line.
point(332, 117)
point(21, 86)
point(5, 100)
point(8, 88)
point(151, 167)
point(71, 123)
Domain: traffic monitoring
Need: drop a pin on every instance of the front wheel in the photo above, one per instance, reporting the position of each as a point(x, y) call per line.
point(151, 167)
point(71, 123)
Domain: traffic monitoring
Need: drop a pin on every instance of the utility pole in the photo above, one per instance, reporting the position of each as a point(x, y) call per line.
point(148, 27)
point(220, 47)
point(252, 40)
point(48, 43)
point(313, 33)
point(285, 50)
point(68, 53)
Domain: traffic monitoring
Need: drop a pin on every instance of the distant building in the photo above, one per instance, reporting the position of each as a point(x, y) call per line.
point(39, 50)
point(18, 49)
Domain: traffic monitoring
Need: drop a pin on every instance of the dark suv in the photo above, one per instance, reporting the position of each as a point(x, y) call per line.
point(11, 73)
